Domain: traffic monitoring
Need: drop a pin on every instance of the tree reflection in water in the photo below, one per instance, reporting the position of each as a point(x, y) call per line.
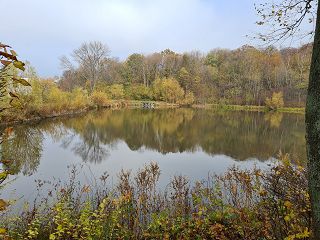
point(24, 149)
point(240, 135)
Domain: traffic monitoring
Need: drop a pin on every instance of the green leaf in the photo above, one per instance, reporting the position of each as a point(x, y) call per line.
point(19, 64)
point(22, 81)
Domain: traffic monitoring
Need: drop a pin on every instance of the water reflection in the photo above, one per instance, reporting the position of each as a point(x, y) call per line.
point(94, 135)
point(23, 149)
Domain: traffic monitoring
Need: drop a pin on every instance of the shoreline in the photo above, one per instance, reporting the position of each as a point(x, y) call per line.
point(122, 104)
point(113, 104)
point(249, 108)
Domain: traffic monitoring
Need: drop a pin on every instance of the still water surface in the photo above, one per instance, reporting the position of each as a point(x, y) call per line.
point(190, 142)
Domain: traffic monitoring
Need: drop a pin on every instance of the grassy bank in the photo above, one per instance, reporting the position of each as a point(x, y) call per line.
point(32, 113)
point(28, 114)
point(292, 110)
point(51, 111)
point(251, 108)
point(241, 204)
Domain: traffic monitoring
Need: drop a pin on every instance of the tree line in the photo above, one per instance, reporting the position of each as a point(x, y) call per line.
point(244, 76)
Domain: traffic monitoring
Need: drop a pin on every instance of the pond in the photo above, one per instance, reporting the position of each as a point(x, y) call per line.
point(184, 141)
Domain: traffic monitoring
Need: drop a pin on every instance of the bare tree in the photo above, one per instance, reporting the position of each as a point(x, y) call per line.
point(91, 58)
point(66, 64)
point(285, 19)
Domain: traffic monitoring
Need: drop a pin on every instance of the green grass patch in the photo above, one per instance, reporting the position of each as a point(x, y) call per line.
point(251, 108)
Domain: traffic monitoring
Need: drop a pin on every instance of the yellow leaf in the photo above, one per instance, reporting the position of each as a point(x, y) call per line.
point(15, 103)
point(3, 175)
point(22, 81)
point(19, 64)
point(2, 231)
point(288, 204)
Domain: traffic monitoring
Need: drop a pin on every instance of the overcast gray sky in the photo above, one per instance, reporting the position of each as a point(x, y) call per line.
point(41, 31)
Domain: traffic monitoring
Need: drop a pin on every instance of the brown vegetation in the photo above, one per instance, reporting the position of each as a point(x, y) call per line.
point(241, 204)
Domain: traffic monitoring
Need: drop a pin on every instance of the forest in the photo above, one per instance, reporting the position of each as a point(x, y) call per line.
point(91, 78)
point(244, 76)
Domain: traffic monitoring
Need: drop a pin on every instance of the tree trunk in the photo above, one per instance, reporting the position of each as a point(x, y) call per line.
point(313, 130)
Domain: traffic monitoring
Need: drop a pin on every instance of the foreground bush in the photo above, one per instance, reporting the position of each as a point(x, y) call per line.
point(241, 204)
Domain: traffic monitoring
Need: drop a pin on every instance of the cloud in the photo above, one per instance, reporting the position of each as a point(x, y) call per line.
point(42, 31)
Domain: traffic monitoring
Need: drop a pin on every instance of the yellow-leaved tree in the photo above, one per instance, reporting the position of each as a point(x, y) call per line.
point(275, 102)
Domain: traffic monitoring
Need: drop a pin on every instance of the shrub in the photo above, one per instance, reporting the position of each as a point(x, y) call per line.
point(99, 99)
point(188, 99)
point(55, 100)
point(168, 90)
point(102, 87)
point(275, 102)
point(116, 91)
point(240, 205)
point(79, 99)
point(47, 98)
point(139, 92)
